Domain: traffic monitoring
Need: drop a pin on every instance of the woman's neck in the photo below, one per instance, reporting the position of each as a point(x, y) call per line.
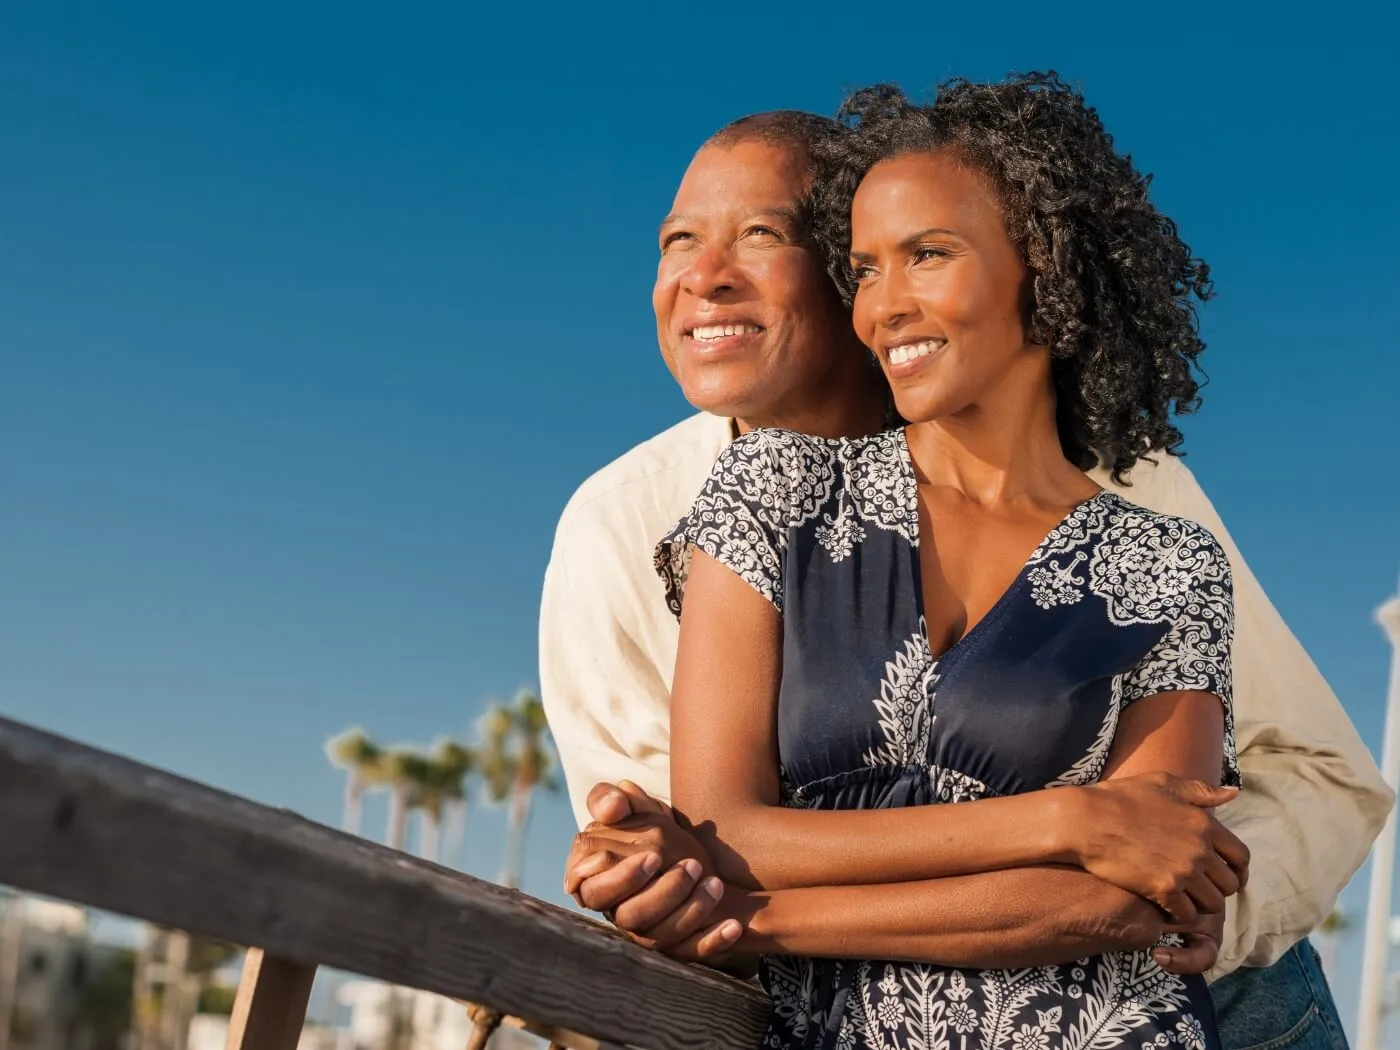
point(1005, 449)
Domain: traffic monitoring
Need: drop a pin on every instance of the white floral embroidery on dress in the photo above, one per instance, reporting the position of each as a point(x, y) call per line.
point(904, 705)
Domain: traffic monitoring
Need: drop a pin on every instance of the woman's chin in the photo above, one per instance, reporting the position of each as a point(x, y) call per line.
point(920, 406)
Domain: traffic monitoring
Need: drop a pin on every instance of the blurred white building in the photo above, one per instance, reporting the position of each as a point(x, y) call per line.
point(438, 1023)
point(53, 958)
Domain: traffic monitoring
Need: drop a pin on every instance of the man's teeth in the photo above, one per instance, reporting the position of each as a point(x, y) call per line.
point(900, 354)
point(719, 331)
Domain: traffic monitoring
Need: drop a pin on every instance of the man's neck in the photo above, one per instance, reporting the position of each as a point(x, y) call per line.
point(860, 409)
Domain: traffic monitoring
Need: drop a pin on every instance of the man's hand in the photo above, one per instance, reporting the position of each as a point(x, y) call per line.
point(1200, 949)
point(1155, 835)
point(640, 868)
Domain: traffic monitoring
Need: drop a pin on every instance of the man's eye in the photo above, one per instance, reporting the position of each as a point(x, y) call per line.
point(761, 231)
point(675, 238)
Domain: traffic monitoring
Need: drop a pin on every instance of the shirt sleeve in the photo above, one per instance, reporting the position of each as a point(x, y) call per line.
point(1313, 800)
point(605, 697)
point(740, 519)
point(1194, 654)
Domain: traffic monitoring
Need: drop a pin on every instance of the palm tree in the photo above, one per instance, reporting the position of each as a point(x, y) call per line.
point(530, 768)
point(443, 792)
point(404, 769)
point(362, 759)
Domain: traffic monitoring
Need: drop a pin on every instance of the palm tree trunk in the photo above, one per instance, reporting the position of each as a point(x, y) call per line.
point(429, 837)
point(456, 833)
point(398, 818)
point(354, 808)
point(515, 837)
point(11, 945)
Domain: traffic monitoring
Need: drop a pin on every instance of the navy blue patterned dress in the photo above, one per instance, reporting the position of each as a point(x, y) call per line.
point(1116, 603)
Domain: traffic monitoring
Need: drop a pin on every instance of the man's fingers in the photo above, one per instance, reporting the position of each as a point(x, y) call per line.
point(692, 915)
point(640, 912)
point(1197, 955)
point(610, 888)
point(607, 804)
point(638, 800)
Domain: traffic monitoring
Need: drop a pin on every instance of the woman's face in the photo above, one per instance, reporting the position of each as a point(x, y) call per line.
point(941, 289)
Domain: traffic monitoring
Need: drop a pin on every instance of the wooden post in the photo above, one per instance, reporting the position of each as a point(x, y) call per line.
point(270, 1009)
point(485, 1021)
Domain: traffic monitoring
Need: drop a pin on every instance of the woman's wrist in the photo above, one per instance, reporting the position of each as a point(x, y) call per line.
point(1069, 825)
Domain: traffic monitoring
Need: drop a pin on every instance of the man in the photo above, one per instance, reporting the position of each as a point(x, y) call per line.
point(756, 336)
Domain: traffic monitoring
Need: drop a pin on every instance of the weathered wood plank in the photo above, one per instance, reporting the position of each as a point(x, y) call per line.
point(92, 827)
point(270, 1009)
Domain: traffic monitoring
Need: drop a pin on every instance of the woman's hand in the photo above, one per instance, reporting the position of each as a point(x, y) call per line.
point(1155, 835)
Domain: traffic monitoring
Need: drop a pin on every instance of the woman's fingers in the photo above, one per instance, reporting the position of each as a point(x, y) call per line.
point(1232, 850)
point(690, 917)
point(1206, 896)
point(643, 910)
point(712, 944)
point(613, 883)
point(1224, 877)
point(1179, 907)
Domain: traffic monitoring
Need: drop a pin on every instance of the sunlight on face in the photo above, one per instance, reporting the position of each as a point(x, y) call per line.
point(745, 316)
point(941, 287)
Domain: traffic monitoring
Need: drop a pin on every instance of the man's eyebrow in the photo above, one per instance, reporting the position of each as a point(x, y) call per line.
point(778, 211)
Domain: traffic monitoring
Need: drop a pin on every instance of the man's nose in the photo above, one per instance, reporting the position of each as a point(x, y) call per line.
point(712, 274)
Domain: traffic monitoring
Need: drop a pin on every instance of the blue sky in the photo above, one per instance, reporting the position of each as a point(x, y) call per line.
point(311, 320)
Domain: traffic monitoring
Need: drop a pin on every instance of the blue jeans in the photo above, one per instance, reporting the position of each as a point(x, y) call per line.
point(1286, 1005)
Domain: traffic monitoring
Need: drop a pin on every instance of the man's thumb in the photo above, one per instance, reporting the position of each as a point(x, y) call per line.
point(608, 805)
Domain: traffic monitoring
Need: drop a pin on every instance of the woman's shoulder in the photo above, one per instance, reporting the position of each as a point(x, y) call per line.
point(1156, 542)
point(794, 475)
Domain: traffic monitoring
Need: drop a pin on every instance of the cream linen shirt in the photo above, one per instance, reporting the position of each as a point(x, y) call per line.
point(1313, 800)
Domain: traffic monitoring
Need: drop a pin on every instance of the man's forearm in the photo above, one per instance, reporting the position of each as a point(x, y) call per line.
point(1022, 917)
point(1309, 825)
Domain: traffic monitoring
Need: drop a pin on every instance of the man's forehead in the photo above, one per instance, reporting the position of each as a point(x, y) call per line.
point(748, 177)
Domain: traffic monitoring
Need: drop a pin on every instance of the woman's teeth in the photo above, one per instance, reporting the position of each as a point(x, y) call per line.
point(709, 333)
point(901, 354)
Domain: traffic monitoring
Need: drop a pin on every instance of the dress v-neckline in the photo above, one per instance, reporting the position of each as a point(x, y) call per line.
point(912, 479)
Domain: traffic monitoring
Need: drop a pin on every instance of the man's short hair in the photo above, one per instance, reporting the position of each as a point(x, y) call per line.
point(788, 128)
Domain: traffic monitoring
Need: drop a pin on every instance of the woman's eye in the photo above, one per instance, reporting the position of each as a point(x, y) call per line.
point(925, 254)
point(862, 273)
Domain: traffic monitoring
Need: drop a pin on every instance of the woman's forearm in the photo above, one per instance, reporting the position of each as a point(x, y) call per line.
point(769, 847)
point(1004, 919)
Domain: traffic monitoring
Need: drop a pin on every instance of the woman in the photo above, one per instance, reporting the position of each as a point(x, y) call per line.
point(953, 612)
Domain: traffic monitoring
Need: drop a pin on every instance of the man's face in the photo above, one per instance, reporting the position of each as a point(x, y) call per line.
point(747, 321)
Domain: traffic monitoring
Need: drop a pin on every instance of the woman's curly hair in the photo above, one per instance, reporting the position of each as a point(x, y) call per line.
point(1114, 287)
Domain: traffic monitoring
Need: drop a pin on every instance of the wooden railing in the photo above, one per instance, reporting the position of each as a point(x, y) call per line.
point(94, 828)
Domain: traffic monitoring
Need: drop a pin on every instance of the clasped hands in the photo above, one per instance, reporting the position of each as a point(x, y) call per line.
point(645, 871)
